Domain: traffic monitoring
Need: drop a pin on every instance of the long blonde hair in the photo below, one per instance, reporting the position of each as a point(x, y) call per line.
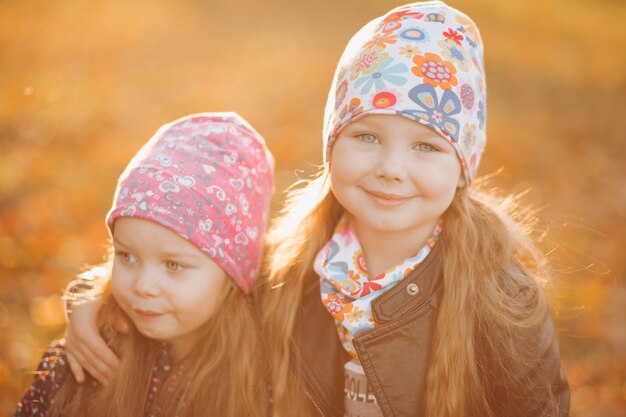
point(225, 374)
point(492, 298)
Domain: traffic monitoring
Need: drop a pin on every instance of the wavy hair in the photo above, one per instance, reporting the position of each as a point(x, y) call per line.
point(492, 300)
point(225, 374)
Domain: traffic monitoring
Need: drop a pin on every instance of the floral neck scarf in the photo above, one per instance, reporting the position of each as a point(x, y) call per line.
point(346, 291)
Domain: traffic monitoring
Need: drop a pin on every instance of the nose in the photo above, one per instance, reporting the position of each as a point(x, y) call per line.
point(146, 283)
point(391, 164)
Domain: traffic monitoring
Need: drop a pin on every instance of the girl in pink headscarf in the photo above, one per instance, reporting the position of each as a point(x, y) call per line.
point(186, 225)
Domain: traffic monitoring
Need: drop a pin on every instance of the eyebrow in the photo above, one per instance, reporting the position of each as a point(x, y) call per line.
point(175, 254)
point(116, 241)
point(363, 122)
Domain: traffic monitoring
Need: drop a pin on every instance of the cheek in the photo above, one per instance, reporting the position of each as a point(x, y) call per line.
point(120, 288)
point(116, 278)
point(340, 187)
point(202, 292)
point(451, 183)
point(443, 178)
point(347, 166)
point(197, 307)
point(338, 165)
point(122, 282)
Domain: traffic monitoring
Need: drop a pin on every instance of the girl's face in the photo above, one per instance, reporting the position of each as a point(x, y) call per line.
point(166, 285)
point(393, 174)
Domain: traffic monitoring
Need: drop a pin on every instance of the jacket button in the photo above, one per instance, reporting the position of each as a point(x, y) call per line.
point(412, 289)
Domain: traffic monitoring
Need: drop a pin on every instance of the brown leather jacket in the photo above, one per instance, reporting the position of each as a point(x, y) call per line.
point(395, 355)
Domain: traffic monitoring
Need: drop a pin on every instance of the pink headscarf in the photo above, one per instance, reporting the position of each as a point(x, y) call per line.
point(208, 178)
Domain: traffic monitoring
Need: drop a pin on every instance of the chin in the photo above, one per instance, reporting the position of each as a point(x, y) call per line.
point(150, 334)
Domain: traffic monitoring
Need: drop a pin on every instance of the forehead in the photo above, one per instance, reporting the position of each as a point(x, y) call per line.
point(150, 236)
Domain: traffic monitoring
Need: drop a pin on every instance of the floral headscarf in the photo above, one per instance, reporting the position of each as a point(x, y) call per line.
point(423, 61)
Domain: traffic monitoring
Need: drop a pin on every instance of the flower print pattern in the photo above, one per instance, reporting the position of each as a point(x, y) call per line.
point(469, 135)
point(481, 114)
point(453, 35)
point(359, 261)
point(345, 288)
point(342, 73)
point(367, 62)
point(435, 112)
point(390, 26)
point(480, 83)
point(368, 287)
point(402, 15)
point(406, 272)
point(476, 60)
point(455, 54)
point(414, 34)
point(334, 304)
point(435, 71)
point(352, 110)
point(381, 40)
point(435, 17)
point(470, 40)
point(340, 94)
point(409, 51)
point(469, 29)
point(386, 73)
point(467, 96)
point(384, 99)
point(350, 285)
point(355, 315)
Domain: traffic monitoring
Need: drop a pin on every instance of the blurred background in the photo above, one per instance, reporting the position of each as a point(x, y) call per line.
point(84, 84)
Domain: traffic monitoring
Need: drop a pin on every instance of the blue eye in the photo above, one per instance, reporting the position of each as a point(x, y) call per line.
point(368, 138)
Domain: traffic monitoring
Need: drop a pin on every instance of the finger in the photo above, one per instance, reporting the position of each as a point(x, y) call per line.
point(75, 367)
point(103, 358)
point(91, 364)
point(70, 343)
point(82, 361)
point(101, 375)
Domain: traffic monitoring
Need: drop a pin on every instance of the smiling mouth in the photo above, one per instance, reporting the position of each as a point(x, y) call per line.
point(147, 314)
point(388, 199)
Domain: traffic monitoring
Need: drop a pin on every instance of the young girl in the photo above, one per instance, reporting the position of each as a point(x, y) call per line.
point(430, 297)
point(396, 286)
point(187, 223)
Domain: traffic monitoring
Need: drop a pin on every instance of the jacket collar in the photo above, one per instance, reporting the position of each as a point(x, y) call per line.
point(413, 291)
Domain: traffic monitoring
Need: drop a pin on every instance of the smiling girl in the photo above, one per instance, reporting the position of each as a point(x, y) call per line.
point(431, 299)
